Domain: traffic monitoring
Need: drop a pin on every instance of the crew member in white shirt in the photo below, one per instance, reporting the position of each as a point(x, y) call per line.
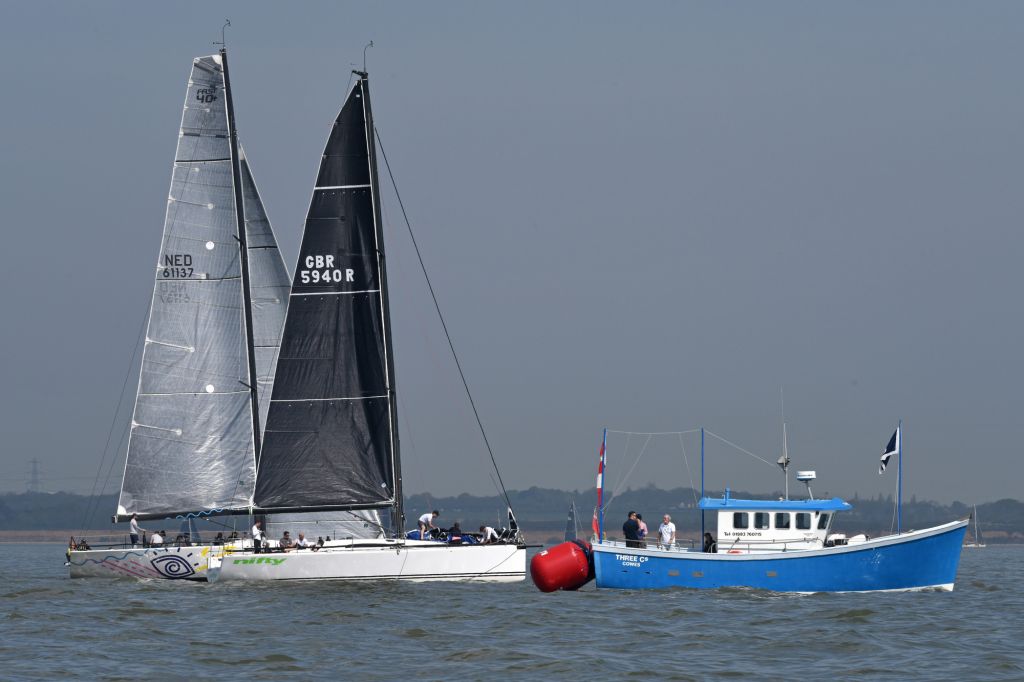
point(134, 531)
point(426, 523)
point(156, 538)
point(257, 537)
point(667, 531)
point(489, 535)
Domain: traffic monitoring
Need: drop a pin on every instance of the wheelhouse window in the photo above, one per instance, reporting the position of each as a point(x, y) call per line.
point(782, 520)
point(803, 521)
point(739, 520)
point(823, 521)
point(762, 519)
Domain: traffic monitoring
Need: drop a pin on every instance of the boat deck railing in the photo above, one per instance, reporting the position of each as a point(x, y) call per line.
point(745, 547)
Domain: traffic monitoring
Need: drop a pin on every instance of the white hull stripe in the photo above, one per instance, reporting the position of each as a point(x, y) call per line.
point(518, 575)
point(324, 400)
point(337, 293)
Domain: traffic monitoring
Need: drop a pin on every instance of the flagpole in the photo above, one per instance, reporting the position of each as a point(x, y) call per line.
point(600, 491)
point(899, 478)
point(702, 484)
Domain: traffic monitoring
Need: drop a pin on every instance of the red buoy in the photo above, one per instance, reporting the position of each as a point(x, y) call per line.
point(568, 566)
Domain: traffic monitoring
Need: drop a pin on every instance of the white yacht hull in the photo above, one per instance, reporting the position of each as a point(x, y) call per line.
point(158, 563)
point(377, 560)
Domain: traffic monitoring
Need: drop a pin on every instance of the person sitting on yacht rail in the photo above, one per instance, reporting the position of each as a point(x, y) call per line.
point(302, 542)
point(286, 542)
point(156, 538)
point(426, 523)
point(489, 535)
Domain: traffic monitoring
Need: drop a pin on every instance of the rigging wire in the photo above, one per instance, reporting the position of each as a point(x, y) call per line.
point(743, 450)
point(91, 505)
point(688, 474)
point(654, 433)
point(437, 306)
point(623, 480)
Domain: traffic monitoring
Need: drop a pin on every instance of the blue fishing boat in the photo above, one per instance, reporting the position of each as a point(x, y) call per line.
point(781, 545)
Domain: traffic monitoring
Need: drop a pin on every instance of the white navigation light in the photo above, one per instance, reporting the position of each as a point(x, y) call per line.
point(210, 388)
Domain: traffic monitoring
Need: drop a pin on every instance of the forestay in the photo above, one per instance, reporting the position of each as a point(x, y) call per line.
point(329, 441)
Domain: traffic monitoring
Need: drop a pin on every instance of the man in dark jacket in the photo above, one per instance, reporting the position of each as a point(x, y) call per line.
point(631, 529)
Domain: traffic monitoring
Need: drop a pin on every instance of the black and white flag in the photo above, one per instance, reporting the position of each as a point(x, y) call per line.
point(893, 448)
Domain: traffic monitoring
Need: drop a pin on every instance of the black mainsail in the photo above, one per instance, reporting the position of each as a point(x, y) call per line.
point(331, 437)
point(220, 288)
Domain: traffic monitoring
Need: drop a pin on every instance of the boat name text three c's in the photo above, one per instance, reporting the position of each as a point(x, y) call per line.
point(630, 559)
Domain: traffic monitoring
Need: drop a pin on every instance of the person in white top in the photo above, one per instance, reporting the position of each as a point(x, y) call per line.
point(426, 523)
point(156, 538)
point(134, 531)
point(667, 531)
point(489, 535)
point(257, 537)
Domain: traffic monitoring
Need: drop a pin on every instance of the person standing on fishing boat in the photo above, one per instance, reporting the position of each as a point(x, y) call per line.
point(631, 530)
point(667, 530)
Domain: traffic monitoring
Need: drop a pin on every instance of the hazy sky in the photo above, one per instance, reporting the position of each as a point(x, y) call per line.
point(646, 216)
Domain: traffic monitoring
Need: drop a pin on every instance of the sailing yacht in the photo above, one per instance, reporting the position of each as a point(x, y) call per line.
point(978, 542)
point(215, 320)
point(331, 439)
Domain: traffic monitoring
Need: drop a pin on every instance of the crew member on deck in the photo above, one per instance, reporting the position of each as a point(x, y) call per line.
point(257, 537)
point(134, 531)
point(489, 535)
point(426, 523)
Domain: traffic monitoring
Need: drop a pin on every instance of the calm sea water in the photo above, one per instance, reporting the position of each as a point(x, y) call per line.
point(53, 626)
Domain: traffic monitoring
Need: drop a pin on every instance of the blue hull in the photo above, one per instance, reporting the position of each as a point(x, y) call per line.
point(916, 560)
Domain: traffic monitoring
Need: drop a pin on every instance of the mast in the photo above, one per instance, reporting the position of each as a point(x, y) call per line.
point(243, 255)
point(899, 478)
point(702, 483)
point(398, 509)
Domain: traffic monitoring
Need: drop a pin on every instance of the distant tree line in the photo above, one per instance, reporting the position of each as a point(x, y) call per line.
point(542, 512)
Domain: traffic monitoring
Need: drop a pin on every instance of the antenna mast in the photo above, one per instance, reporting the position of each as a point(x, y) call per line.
point(783, 461)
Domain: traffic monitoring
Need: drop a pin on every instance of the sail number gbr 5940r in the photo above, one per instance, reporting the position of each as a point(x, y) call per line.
point(321, 270)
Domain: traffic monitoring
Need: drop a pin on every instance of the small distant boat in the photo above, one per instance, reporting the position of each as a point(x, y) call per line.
point(978, 542)
point(779, 545)
point(572, 528)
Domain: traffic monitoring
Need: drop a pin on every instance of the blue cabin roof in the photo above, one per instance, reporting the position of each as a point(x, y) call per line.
point(723, 503)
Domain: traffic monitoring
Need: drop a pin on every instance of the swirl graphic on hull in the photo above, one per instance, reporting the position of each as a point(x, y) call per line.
point(173, 566)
